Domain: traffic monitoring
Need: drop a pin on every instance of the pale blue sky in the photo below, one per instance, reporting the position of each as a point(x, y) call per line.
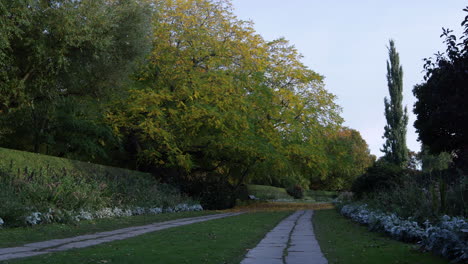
point(346, 41)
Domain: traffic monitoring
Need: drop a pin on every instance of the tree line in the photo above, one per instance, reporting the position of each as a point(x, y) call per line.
point(183, 89)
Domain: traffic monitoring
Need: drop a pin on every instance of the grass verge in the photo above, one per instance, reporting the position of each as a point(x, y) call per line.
point(217, 241)
point(19, 160)
point(265, 192)
point(280, 206)
point(320, 196)
point(18, 236)
point(345, 242)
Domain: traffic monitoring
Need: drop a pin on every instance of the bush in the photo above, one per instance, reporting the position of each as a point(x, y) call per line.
point(213, 191)
point(217, 195)
point(380, 177)
point(424, 196)
point(30, 191)
point(296, 191)
point(448, 237)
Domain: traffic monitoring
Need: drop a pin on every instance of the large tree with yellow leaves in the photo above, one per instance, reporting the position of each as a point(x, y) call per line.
point(215, 98)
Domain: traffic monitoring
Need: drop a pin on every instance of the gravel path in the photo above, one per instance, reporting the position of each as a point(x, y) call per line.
point(39, 248)
point(292, 241)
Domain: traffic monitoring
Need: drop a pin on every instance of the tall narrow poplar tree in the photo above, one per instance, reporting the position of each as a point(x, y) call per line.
point(394, 147)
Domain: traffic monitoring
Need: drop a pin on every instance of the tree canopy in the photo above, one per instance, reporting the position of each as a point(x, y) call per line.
point(215, 97)
point(441, 108)
point(182, 88)
point(60, 55)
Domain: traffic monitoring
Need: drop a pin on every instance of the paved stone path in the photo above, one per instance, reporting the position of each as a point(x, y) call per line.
point(292, 241)
point(39, 248)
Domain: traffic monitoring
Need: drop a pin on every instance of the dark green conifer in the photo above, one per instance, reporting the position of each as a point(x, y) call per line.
point(394, 147)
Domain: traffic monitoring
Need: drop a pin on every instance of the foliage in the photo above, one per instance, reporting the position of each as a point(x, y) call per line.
point(217, 99)
point(446, 238)
point(425, 196)
point(432, 162)
point(440, 108)
point(348, 157)
point(208, 102)
point(344, 241)
point(54, 56)
point(394, 147)
point(213, 191)
point(380, 177)
point(295, 191)
point(36, 183)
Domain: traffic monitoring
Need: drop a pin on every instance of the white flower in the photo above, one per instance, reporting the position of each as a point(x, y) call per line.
point(168, 210)
point(83, 215)
point(196, 207)
point(104, 213)
point(34, 218)
point(138, 211)
point(447, 238)
point(156, 210)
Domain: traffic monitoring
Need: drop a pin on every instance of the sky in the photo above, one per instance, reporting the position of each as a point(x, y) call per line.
point(346, 41)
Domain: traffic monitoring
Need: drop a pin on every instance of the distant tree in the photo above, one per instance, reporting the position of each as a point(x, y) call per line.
point(348, 157)
point(394, 147)
point(430, 162)
point(442, 108)
point(216, 99)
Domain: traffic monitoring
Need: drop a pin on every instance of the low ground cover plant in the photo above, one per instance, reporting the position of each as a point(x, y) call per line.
point(447, 237)
point(344, 241)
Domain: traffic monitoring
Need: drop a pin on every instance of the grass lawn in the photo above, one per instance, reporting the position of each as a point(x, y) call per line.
point(18, 236)
point(19, 160)
point(320, 196)
point(281, 206)
point(346, 242)
point(266, 192)
point(217, 241)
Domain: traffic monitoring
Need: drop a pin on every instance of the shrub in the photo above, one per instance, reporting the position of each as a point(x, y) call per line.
point(50, 194)
point(295, 191)
point(345, 197)
point(213, 191)
point(424, 196)
point(448, 237)
point(380, 177)
point(217, 195)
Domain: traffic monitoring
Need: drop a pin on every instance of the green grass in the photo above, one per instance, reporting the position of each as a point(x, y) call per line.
point(18, 236)
point(346, 242)
point(265, 192)
point(320, 196)
point(33, 161)
point(217, 241)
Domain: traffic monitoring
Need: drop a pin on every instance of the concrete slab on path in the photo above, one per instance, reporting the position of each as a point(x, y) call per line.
point(292, 241)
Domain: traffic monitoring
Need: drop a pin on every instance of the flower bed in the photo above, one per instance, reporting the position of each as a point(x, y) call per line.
point(448, 238)
point(62, 216)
